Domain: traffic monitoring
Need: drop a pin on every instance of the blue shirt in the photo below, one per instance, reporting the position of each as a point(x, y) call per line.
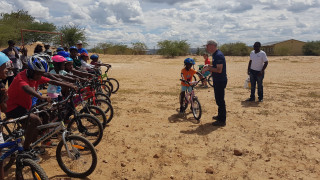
point(218, 58)
point(82, 50)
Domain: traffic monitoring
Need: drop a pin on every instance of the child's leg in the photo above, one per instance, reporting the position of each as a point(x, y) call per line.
point(182, 95)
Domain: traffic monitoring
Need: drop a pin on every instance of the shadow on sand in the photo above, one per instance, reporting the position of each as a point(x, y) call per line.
point(176, 118)
point(249, 104)
point(202, 130)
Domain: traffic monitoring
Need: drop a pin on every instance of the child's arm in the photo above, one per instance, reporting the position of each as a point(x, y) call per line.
point(82, 74)
point(34, 93)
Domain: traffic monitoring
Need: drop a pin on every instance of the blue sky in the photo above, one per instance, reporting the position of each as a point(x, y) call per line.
point(151, 21)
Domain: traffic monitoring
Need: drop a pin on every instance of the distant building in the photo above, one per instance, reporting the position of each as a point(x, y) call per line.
point(284, 48)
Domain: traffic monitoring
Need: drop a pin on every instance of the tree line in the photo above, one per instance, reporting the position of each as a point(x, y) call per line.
point(12, 23)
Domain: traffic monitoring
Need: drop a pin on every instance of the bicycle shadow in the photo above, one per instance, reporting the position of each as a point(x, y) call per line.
point(177, 118)
point(249, 104)
point(202, 130)
point(65, 177)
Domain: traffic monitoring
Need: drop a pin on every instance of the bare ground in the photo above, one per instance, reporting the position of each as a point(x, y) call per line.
point(147, 139)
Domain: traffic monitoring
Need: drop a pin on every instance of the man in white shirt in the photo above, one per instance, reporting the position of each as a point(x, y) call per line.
point(257, 65)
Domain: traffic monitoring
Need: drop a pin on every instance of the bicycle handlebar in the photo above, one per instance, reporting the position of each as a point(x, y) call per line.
point(194, 83)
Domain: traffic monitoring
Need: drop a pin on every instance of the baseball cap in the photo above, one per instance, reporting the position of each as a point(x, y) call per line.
point(79, 42)
point(212, 42)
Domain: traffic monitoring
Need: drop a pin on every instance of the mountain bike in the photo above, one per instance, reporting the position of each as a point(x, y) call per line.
point(208, 78)
point(76, 156)
point(192, 99)
point(26, 168)
point(112, 82)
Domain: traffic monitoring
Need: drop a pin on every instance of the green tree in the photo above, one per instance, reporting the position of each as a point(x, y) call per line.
point(171, 49)
point(235, 49)
point(71, 34)
point(139, 48)
point(12, 23)
point(311, 48)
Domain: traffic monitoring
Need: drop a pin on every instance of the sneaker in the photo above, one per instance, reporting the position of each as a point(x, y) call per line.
point(219, 123)
point(48, 143)
point(215, 118)
point(260, 100)
point(250, 99)
point(181, 111)
point(34, 155)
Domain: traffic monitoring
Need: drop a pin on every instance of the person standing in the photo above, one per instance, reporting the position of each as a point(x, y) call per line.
point(218, 71)
point(13, 55)
point(257, 65)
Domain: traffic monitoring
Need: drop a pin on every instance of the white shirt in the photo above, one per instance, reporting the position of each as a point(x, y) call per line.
point(85, 65)
point(258, 60)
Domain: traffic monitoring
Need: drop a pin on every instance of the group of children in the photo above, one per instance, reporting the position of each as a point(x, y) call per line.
point(66, 69)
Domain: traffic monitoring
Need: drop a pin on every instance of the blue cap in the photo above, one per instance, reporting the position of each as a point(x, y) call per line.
point(3, 58)
point(63, 53)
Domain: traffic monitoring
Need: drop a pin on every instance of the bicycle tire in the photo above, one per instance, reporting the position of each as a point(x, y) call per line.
point(96, 112)
point(196, 109)
point(88, 127)
point(77, 150)
point(101, 95)
point(115, 84)
point(106, 107)
point(210, 81)
point(105, 88)
point(37, 172)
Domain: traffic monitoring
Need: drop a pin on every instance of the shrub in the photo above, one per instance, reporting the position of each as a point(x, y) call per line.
point(311, 48)
point(235, 49)
point(171, 49)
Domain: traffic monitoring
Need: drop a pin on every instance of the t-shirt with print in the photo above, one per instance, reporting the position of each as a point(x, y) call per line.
point(17, 96)
point(76, 62)
point(258, 60)
point(9, 65)
point(218, 58)
point(187, 75)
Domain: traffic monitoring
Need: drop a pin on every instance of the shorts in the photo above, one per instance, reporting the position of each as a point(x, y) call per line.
point(17, 112)
point(207, 73)
point(185, 88)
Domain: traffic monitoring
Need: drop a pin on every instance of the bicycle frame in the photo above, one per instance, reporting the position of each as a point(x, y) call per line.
point(189, 96)
point(14, 146)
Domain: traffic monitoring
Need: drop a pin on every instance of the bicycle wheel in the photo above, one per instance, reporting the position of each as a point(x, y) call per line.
point(106, 107)
point(115, 84)
point(105, 88)
point(87, 126)
point(210, 81)
point(103, 96)
point(196, 109)
point(96, 112)
point(78, 158)
point(28, 169)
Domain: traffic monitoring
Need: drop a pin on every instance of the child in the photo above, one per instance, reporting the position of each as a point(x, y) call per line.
point(206, 62)
point(187, 73)
point(96, 62)
point(84, 63)
point(3, 99)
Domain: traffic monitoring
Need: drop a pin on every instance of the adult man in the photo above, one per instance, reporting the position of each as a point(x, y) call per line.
point(257, 64)
point(13, 55)
point(47, 49)
point(219, 77)
point(80, 48)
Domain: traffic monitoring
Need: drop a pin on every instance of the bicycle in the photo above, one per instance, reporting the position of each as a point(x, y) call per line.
point(192, 99)
point(26, 168)
point(77, 149)
point(112, 82)
point(208, 78)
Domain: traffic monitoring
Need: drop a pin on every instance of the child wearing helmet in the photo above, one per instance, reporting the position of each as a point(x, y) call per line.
point(96, 62)
point(84, 63)
point(23, 87)
point(3, 98)
point(74, 55)
point(186, 74)
point(75, 73)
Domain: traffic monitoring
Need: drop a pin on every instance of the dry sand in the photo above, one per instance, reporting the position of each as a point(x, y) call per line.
point(147, 139)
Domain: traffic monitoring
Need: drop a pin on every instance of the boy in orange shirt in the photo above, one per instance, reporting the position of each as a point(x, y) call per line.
point(186, 74)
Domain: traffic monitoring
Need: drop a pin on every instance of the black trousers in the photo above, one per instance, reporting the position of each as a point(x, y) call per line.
point(219, 92)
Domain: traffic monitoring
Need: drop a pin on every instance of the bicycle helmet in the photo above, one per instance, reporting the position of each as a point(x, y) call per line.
point(189, 61)
point(3, 58)
point(73, 48)
point(69, 59)
point(36, 63)
point(44, 56)
point(63, 53)
point(94, 56)
point(58, 59)
point(60, 49)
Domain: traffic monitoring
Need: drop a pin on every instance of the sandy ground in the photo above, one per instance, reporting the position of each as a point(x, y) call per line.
point(147, 139)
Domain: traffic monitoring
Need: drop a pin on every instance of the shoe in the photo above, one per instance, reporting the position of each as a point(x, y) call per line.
point(250, 99)
point(215, 118)
point(260, 100)
point(219, 123)
point(48, 143)
point(33, 154)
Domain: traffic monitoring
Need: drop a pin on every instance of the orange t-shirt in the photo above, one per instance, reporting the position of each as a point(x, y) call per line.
point(187, 75)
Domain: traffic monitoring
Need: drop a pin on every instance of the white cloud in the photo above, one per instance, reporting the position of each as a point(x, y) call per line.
point(151, 21)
